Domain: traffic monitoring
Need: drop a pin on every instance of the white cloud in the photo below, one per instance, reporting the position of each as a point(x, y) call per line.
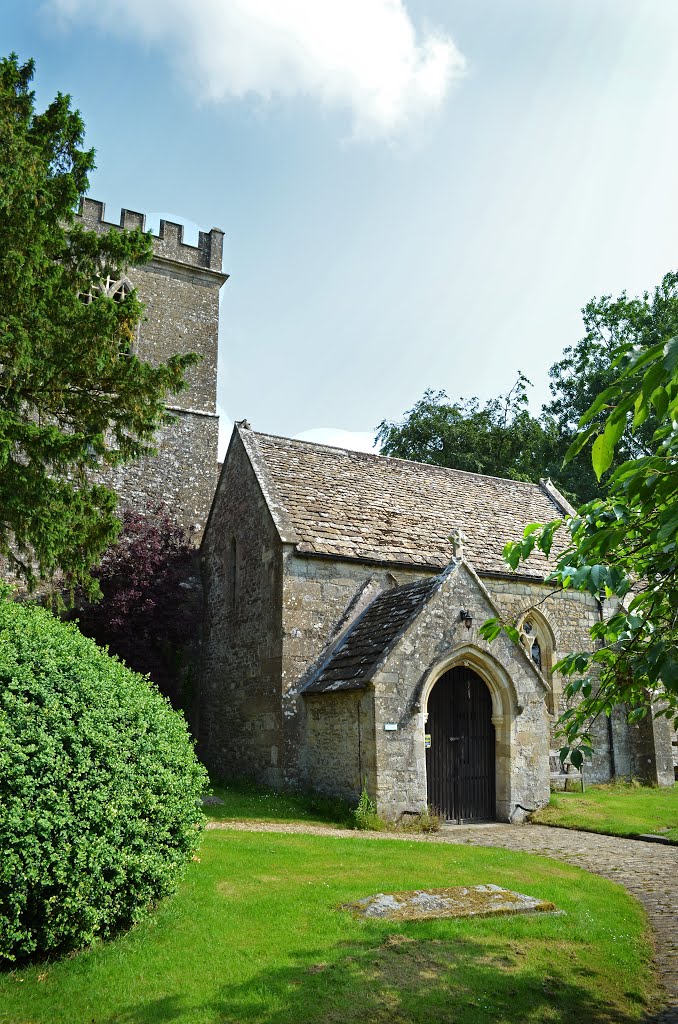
point(364, 56)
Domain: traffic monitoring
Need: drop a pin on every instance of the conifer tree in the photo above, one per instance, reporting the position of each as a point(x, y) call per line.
point(74, 397)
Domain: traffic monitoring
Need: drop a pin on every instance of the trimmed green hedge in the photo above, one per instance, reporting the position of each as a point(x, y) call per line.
point(99, 789)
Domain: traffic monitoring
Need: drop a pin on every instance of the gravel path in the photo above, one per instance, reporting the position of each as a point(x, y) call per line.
point(647, 870)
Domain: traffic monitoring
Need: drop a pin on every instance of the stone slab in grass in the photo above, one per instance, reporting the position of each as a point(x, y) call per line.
point(458, 901)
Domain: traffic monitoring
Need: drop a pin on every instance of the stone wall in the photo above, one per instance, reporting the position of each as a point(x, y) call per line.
point(339, 751)
point(651, 751)
point(182, 476)
point(240, 728)
point(320, 599)
point(180, 290)
point(435, 642)
point(641, 751)
point(569, 616)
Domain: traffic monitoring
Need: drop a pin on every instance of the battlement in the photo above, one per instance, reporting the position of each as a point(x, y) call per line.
point(168, 243)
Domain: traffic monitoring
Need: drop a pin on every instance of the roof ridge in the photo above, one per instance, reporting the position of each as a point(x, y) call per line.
point(392, 458)
point(428, 585)
point(343, 504)
point(422, 581)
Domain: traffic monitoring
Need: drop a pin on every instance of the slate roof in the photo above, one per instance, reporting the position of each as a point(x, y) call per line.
point(346, 504)
point(352, 663)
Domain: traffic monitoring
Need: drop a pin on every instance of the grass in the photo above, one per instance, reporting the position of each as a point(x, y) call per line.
point(254, 936)
point(618, 809)
point(246, 801)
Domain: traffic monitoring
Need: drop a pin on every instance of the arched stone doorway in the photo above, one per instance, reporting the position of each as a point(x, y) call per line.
point(460, 747)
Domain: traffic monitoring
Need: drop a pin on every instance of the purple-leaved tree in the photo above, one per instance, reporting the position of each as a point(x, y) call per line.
point(150, 611)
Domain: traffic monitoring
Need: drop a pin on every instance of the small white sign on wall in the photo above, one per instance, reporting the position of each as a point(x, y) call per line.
point(390, 726)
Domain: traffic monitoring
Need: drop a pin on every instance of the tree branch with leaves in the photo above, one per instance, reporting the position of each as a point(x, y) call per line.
point(499, 438)
point(621, 549)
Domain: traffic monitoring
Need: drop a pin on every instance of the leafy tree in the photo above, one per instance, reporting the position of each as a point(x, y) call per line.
point(150, 612)
point(622, 547)
point(73, 395)
point(99, 789)
point(499, 438)
point(588, 368)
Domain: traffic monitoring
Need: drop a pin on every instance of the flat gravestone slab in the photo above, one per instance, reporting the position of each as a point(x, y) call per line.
point(458, 901)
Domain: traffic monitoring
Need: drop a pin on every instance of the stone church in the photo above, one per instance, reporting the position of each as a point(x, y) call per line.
point(343, 596)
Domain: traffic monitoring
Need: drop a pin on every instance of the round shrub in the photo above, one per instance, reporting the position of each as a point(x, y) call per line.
point(99, 789)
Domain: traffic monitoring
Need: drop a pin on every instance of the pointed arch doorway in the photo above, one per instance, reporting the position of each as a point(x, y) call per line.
point(460, 761)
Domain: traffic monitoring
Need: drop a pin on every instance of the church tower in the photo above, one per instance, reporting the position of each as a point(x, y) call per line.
point(180, 290)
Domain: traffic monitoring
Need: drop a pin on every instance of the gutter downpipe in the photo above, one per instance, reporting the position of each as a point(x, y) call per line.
point(610, 729)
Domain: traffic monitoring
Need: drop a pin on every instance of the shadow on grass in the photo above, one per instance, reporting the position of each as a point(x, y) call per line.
point(246, 800)
point(405, 980)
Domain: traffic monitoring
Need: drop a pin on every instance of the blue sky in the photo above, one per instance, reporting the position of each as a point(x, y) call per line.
point(414, 194)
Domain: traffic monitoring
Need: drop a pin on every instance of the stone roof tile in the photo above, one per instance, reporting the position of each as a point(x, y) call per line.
point(352, 663)
point(355, 505)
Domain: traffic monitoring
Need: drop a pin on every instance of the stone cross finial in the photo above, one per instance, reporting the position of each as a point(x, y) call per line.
point(457, 539)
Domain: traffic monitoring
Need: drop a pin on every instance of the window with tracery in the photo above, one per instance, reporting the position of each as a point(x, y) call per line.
point(114, 288)
point(117, 289)
point(531, 642)
point(537, 639)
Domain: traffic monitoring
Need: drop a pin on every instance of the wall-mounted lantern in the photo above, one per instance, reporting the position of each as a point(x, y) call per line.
point(466, 617)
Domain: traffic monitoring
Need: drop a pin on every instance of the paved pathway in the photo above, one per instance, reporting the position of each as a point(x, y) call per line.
point(648, 870)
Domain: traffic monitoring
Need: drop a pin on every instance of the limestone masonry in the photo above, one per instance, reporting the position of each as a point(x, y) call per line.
point(180, 289)
point(343, 598)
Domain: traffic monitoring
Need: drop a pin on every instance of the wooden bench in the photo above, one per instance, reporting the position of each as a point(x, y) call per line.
point(562, 773)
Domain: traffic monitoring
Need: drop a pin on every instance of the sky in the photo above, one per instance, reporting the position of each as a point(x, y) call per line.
point(415, 193)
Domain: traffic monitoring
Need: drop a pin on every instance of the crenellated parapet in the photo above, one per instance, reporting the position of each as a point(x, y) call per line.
point(168, 244)
point(179, 289)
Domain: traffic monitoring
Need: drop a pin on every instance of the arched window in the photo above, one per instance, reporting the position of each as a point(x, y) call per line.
point(114, 288)
point(532, 643)
point(117, 289)
point(537, 639)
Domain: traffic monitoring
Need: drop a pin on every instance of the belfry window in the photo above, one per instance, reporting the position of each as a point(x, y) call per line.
point(117, 289)
point(114, 288)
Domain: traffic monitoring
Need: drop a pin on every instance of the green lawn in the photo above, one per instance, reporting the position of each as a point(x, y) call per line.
point(246, 801)
point(254, 936)
point(617, 809)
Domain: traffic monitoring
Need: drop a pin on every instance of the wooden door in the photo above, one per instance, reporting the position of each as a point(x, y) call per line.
point(460, 765)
